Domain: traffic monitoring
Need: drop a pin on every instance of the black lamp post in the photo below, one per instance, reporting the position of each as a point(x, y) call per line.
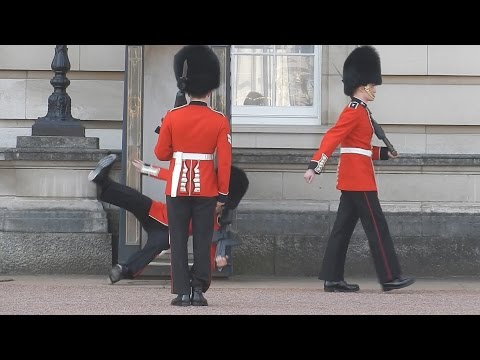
point(59, 120)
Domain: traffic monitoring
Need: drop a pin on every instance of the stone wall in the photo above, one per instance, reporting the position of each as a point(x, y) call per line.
point(431, 204)
point(289, 239)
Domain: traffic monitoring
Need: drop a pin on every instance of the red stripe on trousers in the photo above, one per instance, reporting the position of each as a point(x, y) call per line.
point(380, 244)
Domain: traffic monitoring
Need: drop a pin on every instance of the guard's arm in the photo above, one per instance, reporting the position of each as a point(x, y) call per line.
point(151, 170)
point(333, 137)
point(224, 161)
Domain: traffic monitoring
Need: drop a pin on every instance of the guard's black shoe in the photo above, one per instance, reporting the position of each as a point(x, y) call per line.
point(116, 274)
point(197, 297)
point(340, 286)
point(397, 283)
point(102, 169)
point(181, 300)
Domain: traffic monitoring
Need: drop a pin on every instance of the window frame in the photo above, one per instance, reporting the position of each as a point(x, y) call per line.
point(274, 115)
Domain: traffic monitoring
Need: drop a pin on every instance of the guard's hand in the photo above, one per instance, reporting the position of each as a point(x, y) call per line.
point(221, 261)
point(391, 156)
point(145, 168)
point(219, 208)
point(309, 176)
point(138, 164)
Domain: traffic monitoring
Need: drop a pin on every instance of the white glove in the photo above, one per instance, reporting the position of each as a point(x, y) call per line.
point(145, 168)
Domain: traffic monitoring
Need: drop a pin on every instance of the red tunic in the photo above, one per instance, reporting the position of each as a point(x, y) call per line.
point(353, 130)
point(198, 129)
point(158, 209)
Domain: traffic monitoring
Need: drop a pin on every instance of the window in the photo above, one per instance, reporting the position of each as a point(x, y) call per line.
point(275, 84)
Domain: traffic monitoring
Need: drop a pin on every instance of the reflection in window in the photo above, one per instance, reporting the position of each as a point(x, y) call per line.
point(255, 98)
point(281, 75)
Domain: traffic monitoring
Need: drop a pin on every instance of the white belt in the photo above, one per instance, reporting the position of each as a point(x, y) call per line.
point(350, 150)
point(179, 157)
point(191, 156)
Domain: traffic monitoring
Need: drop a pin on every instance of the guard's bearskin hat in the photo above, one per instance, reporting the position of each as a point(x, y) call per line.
point(361, 67)
point(203, 69)
point(238, 187)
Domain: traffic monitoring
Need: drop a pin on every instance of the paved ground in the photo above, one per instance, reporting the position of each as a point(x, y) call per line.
point(93, 295)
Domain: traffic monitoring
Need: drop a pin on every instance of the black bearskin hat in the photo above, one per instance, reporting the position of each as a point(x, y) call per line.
point(203, 69)
point(237, 188)
point(361, 67)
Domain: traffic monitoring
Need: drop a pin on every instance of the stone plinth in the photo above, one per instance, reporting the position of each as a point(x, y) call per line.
point(50, 219)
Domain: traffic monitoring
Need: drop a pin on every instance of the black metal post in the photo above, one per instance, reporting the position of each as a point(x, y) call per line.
point(59, 120)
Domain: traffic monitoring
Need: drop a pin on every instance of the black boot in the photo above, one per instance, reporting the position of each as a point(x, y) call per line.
point(117, 273)
point(340, 286)
point(397, 283)
point(198, 298)
point(181, 300)
point(100, 173)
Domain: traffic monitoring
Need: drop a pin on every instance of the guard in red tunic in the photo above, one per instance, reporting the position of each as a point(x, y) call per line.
point(356, 179)
point(153, 218)
point(193, 137)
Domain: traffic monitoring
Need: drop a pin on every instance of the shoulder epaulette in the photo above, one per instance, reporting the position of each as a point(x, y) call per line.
point(218, 112)
point(176, 108)
point(353, 104)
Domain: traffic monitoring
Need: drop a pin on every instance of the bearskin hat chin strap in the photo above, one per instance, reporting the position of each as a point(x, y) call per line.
point(368, 90)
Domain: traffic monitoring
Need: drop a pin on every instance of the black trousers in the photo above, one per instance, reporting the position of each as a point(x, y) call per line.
point(200, 210)
point(139, 205)
point(366, 206)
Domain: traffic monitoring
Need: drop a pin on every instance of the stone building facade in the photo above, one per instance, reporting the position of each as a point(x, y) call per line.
point(427, 106)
